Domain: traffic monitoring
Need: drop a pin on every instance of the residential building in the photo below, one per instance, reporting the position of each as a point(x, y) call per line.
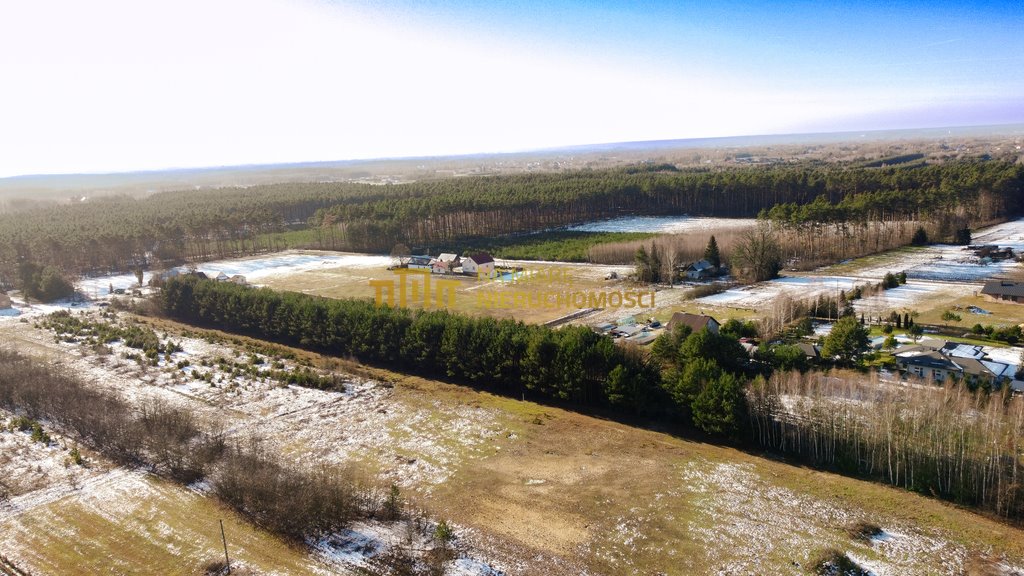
point(952, 360)
point(419, 262)
point(700, 270)
point(696, 322)
point(481, 264)
point(1004, 290)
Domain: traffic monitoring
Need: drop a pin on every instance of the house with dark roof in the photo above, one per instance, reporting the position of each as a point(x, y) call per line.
point(952, 360)
point(933, 365)
point(700, 270)
point(809, 350)
point(481, 264)
point(1004, 290)
point(419, 262)
point(696, 322)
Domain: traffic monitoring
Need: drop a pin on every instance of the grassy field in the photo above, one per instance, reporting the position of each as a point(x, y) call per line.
point(472, 296)
point(601, 496)
point(562, 246)
point(1003, 313)
point(130, 523)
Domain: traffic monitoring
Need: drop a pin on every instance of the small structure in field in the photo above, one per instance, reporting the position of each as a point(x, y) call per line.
point(481, 264)
point(696, 322)
point(1004, 290)
point(238, 279)
point(5, 301)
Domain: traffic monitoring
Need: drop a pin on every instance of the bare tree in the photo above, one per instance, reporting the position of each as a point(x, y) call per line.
point(758, 255)
point(401, 253)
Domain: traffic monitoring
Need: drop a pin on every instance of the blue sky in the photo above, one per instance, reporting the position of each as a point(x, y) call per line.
point(115, 85)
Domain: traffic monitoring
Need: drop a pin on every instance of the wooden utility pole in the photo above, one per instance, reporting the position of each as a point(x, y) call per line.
point(227, 561)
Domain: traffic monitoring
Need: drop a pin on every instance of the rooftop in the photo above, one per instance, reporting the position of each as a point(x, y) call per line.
point(1003, 288)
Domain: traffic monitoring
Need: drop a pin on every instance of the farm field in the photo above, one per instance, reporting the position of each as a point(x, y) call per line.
point(471, 295)
point(663, 224)
point(531, 489)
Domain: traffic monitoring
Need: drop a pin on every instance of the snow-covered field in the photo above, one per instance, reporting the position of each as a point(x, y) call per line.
point(663, 224)
point(941, 262)
point(722, 490)
point(796, 287)
point(254, 268)
point(937, 271)
point(945, 262)
point(366, 422)
point(914, 293)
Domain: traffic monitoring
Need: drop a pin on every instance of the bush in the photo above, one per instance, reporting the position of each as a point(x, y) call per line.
point(39, 435)
point(293, 502)
point(76, 456)
point(890, 280)
point(863, 530)
point(786, 357)
point(920, 237)
point(833, 562)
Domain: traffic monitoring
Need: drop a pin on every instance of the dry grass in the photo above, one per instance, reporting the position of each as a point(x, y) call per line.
point(1003, 313)
point(471, 296)
point(141, 525)
point(687, 246)
point(557, 492)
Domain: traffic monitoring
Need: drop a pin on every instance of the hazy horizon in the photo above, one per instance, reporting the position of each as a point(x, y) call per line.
point(738, 141)
point(118, 86)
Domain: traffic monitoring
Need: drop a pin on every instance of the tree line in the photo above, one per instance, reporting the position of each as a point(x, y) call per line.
point(942, 440)
point(120, 233)
point(951, 442)
point(570, 364)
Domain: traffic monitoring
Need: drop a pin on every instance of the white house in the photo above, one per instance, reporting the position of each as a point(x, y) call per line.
point(479, 265)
